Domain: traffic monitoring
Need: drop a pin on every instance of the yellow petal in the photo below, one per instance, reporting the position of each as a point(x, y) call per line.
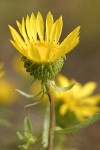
point(69, 43)
point(87, 89)
point(22, 30)
point(67, 48)
point(93, 100)
point(62, 81)
point(56, 30)
point(17, 46)
point(33, 27)
point(40, 26)
point(63, 109)
point(49, 24)
point(28, 27)
point(33, 54)
point(17, 38)
point(71, 37)
point(19, 26)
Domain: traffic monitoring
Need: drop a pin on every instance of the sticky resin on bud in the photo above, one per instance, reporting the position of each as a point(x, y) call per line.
point(43, 72)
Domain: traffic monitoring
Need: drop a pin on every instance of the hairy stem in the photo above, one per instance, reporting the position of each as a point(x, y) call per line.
point(51, 122)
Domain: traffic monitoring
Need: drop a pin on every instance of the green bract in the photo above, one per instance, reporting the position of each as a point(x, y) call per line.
point(43, 72)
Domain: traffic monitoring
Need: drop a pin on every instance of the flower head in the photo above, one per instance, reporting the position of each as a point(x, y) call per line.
point(40, 46)
point(78, 100)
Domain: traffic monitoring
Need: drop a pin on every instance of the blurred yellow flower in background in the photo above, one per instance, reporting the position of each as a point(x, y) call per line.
point(7, 92)
point(78, 100)
point(39, 46)
point(1, 72)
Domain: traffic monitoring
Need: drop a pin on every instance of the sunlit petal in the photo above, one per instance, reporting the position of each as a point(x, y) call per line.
point(49, 24)
point(40, 26)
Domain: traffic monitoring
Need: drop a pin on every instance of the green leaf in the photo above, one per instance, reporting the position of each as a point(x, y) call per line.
point(61, 89)
point(20, 136)
point(27, 125)
point(24, 94)
point(41, 147)
point(84, 124)
point(28, 95)
point(35, 103)
point(39, 137)
point(24, 147)
point(46, 127)
point(4, 122)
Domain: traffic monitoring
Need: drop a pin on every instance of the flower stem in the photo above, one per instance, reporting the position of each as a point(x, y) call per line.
point(51, 122)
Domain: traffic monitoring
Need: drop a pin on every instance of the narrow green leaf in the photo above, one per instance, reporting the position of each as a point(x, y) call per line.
point(27, 125)
point(61, 89)
point(84, 124)
point(46, 127)
point(20, 136)
point(28, 95)
point(35, 103)
point(24, 146)
point(24, 94)
point(41, 147)
point(4, 122)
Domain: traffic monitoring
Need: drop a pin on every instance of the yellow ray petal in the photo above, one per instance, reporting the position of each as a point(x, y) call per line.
point(93, 100)
point(22, 30)
point(63, 109)
point(17, 38)
point(67, 48)
point(56, 30)
point(87, 89)
point(33, 54)
point(62, 81)
point(49, 24)
point(33, 27)
point(19, 26)
point(20, 49)
point(40, 26)
point(71, 37)
point(28, 27)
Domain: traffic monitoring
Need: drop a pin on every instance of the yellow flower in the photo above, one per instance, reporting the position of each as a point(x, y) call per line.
point(7, 93)
point(43, 46)
point(78, 100)
point(1, 72)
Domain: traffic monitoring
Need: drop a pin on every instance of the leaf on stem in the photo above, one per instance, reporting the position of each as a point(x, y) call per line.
point(61, 89)
point(75, 128)
point(28, 95)
point(27, 125)
point(20, 136)
point(37, 102)
point(46, 127)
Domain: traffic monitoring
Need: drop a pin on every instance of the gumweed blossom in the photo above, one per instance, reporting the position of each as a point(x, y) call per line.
point(38, 42)
point(78, 100)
